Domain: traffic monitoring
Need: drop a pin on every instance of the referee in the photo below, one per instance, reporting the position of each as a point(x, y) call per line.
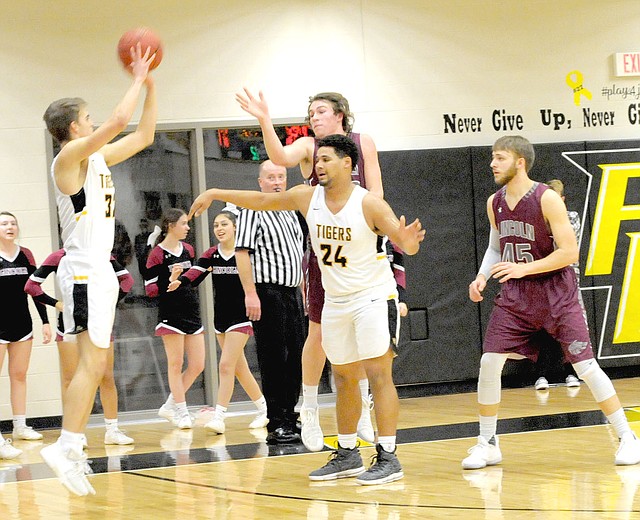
point(269, 258)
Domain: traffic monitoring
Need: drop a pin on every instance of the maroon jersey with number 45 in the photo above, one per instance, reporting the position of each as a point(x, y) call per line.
point(524, 233)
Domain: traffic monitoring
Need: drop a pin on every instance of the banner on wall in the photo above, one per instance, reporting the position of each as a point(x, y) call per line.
point(613, 259)
point(580, 109)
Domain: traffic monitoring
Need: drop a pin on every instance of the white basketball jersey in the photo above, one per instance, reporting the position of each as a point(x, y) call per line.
point(87, 217)
point(351, 256)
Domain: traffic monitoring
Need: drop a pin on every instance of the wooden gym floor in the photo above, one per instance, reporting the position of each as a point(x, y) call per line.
point(558, 464)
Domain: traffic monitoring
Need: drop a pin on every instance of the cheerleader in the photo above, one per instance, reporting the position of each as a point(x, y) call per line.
point(179, 314)
point(230, 320)
point(16, 329)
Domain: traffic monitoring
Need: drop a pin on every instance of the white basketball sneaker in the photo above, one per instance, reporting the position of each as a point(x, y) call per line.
point(629, 451)
point(485, 453)
point(365, 426)
point(311, 432)
point(117, 436)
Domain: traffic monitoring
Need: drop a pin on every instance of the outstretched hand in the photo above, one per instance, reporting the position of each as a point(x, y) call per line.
point(200, 205)
point(256, 107)
point(410, 235)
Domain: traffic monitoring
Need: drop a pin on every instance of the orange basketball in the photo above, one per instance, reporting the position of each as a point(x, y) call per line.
point(147, 38)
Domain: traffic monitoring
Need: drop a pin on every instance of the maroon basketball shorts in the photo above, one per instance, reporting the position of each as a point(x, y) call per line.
point(527, 306)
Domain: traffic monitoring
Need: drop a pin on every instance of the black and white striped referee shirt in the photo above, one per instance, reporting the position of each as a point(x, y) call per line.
point(275, 240)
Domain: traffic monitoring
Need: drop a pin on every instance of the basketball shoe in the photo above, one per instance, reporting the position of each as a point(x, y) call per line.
point(216, 425)
point(542, 384)
point(183, 421)
point(342, 463)
point(485, 453)
point(26, 433)
point(311, 432)
point(629, 450)
point(572, 381)
point(259, 421)
point(69, 467)
point(365, 426)
point(7, 451)
point(385, 467)
point(117, 436)
point(167, 412)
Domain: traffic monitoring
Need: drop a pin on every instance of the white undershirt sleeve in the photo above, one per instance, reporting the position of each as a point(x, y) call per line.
point(492, 254)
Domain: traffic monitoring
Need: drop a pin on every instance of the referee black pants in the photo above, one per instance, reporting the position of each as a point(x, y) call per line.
point(280, 335)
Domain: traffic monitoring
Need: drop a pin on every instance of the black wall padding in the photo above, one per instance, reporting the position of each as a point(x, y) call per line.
point(436, 186)
point(448, 189)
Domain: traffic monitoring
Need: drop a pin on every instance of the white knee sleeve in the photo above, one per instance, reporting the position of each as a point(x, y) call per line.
point(489, 381)
point(598, 382)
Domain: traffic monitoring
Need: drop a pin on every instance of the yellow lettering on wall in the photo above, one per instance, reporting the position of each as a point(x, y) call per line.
point(628, 320)
point(610, 211)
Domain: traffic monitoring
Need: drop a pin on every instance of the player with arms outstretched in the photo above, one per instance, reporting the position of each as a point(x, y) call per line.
point(360, 315)
point(328, 113)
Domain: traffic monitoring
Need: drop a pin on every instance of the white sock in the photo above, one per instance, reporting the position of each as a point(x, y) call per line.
point(388, 443)
point(347, 441)
point(19, 421)
point(619, 421)
point(111, 424)
point(364, 388)
point(220, 412)
point(488, 426)
point(261, 404)
point(71, 441)
point(310, 396)
point(170, 403)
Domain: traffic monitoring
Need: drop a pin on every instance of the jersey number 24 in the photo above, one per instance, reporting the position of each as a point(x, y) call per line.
point(330, 258)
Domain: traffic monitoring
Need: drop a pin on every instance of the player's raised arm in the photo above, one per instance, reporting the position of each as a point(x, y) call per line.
point(144, 134)
point(290, 155)
point(82, 140)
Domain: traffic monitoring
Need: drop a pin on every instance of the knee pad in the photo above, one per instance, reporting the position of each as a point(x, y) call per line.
point(598, 382)
point(489, 381)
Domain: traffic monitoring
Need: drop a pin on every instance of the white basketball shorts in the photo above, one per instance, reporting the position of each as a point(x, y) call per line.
point(89, 294)
point(363, 325)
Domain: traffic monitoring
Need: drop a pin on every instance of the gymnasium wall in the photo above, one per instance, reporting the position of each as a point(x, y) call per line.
point(434, 83)
point(441, 339)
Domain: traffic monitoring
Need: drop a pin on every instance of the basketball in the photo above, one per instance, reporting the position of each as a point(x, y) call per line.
point(147, 38)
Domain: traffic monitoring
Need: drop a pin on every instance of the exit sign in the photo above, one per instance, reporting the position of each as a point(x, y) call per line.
point(627, 63)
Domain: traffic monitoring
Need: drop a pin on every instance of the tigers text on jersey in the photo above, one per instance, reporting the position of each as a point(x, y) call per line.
point(87, 217)
point(351, 256)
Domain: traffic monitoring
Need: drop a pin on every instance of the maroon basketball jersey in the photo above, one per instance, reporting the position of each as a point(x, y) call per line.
point(524, 233)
